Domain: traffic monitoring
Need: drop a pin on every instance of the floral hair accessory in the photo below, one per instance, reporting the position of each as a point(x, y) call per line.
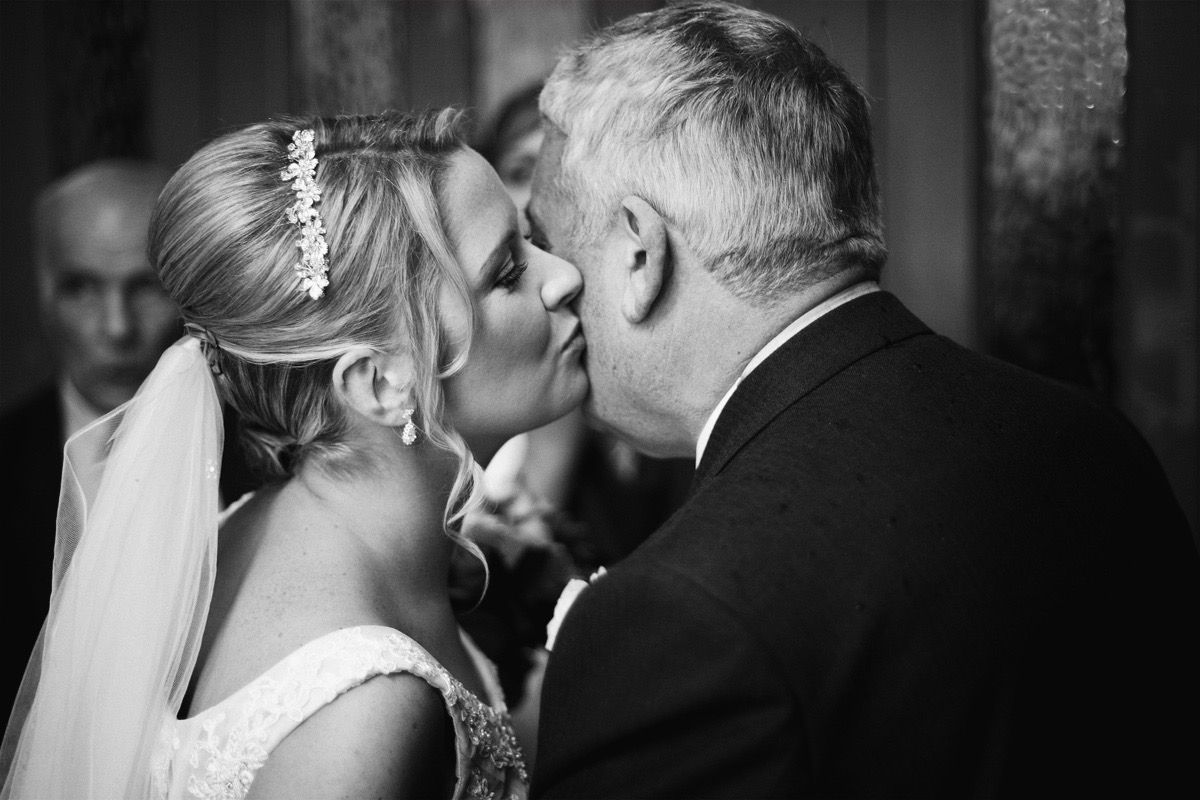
point(312, 268)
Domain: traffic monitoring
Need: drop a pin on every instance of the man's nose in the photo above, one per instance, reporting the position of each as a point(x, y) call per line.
point(117, 319)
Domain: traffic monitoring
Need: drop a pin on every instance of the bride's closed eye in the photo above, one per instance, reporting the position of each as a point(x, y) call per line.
point(510, 276)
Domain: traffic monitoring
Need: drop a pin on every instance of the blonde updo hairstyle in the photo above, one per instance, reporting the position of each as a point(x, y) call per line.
point(225, 252)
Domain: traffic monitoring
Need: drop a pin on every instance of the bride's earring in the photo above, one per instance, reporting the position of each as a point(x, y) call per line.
point(409, 434)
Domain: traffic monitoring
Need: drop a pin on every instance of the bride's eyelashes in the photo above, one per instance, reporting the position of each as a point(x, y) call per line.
point(510, 276)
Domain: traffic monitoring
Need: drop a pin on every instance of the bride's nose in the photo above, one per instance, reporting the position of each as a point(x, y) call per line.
point(561, 284)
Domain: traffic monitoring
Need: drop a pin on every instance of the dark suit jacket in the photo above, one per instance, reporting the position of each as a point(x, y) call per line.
point(32, 447)
point(905, 570)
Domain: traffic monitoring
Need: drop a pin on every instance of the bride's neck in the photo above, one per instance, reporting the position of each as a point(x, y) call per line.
point(389, 515)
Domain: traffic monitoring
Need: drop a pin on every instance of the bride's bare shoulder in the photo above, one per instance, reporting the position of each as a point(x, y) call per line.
point(275, 591)
point(390, 736)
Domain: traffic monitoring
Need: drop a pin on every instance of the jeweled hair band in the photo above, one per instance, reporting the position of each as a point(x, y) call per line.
point(312, 269)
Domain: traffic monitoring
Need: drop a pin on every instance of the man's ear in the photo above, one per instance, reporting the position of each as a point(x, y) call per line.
point(646, 257)
point(376, 385)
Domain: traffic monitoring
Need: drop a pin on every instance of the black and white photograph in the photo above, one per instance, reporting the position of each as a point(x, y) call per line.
point(600, 399)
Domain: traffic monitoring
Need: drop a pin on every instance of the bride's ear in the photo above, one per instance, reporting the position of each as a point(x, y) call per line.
point(376, 385)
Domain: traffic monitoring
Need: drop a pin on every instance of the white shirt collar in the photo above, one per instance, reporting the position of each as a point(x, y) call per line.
point(799, 324)
point(77, 411)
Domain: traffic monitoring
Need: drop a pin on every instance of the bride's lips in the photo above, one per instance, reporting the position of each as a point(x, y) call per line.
point(575, 341)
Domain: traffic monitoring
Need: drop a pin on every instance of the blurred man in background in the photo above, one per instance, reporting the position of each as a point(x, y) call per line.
point(107, 317)
point(107, 320)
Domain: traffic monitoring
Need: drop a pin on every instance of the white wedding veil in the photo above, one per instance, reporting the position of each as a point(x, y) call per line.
point(134, 563)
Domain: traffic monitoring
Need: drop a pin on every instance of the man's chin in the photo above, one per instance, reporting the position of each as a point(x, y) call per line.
point(599, 421)
point(591, 412)
point(639, 438)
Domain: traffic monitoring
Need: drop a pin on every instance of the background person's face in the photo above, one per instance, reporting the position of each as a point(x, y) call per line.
point(104, 308)
point(515, 167)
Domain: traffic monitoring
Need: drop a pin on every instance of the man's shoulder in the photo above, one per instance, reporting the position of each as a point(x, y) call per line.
point(923, 453)
point(871, 365)
point(926, 391)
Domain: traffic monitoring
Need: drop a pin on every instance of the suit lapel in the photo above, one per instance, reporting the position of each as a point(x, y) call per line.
point(810, 358)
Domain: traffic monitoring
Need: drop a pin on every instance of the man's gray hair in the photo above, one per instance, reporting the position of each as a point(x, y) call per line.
point(737, 129)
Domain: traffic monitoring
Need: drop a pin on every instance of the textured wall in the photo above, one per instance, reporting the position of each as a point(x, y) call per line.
point(1053, 128)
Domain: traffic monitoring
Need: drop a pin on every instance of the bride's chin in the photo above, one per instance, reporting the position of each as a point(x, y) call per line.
point(485, 443)
point(571, 401)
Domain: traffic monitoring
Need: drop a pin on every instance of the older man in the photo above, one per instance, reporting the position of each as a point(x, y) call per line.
point(904, 569)
point(108, 320)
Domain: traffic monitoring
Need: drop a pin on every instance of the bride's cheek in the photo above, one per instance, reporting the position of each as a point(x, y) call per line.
point(534, 330)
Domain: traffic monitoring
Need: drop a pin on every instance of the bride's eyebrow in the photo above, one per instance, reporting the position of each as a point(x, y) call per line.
point(497, 259)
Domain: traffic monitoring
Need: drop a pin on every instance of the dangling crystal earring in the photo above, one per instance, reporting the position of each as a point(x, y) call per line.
point(409, 434)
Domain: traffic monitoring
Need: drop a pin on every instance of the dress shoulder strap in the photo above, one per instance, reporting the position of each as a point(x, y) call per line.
point(315, 674)
point(220, 749)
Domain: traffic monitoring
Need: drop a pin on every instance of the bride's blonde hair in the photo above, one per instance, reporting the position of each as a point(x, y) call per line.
point(225, 252)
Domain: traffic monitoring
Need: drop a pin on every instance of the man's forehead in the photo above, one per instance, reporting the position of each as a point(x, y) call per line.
point(549, 160)
point(550, 217)
point(546, 194)
point(534, 209)
point(114, 259)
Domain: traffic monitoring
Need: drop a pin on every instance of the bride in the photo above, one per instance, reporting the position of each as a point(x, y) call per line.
point(358, 289)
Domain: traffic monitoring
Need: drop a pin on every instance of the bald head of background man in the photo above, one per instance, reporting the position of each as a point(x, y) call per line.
point(106, 314)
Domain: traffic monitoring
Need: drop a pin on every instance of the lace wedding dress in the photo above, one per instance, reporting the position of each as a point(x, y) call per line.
point(216, 753)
